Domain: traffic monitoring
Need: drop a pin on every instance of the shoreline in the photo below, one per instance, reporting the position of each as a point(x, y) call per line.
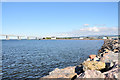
point(103, 65)
point(52, 39)
point(73, 39)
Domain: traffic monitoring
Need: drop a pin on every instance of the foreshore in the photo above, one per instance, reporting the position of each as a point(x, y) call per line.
point(103, 65)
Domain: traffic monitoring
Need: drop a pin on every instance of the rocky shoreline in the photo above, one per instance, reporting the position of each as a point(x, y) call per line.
point(103, 65)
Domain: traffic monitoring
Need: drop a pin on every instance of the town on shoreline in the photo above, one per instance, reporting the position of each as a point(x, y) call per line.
point(16, 37)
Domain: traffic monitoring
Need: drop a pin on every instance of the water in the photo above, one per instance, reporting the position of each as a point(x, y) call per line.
point(36, 58)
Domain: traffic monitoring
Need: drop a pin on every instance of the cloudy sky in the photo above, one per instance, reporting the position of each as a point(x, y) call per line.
point(60, 18)
point(88, 31)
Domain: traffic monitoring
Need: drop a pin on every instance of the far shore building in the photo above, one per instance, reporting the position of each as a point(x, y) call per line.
point(81, 38)
point(105, 37)
point(53, 37)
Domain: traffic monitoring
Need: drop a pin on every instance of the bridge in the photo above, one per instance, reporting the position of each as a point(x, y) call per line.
point(7, 37)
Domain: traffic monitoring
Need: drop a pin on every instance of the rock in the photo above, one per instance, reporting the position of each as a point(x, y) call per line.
point(79, 69)
point(113, 73)
point(116, 50)
point(88, 59)
point(100, 55)
point(108, 66)
point(111, 57)
point(61, 75)
point(116, 45)
point(68, 72)
point(106, 50)
point(91, 74)
point(93, 65)
point(96, 59)
point(105, 54)
point(92, 56)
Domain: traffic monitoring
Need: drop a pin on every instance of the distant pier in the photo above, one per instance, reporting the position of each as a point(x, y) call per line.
point(7, 37)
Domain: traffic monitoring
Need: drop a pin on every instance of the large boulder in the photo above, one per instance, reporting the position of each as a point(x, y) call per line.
point(91, 74)
point(108, 66)
point(68, 72)
point(111, 57)
point(79, 69)
point(93, 65)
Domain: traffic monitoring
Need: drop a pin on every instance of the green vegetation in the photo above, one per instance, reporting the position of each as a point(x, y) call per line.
point(58, 38)
point(67, 38)
point(48, 38)
point(64, 38)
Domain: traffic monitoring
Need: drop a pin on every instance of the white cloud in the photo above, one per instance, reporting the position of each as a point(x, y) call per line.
point(93, 29)
point(90, 31)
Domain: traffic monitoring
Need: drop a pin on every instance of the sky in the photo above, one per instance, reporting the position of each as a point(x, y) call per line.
point(60, 18)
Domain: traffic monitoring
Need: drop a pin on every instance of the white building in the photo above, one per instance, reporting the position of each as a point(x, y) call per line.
point(53, 37)
point(104, 37)
point(81, 38)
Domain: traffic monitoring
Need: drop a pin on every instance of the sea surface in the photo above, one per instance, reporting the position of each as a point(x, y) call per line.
point(36, 58)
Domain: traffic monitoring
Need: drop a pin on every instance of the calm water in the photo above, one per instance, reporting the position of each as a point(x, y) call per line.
point(36, 58)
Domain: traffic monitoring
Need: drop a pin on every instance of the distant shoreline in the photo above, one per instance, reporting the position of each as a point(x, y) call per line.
point(73, 39)
point(54, 39)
